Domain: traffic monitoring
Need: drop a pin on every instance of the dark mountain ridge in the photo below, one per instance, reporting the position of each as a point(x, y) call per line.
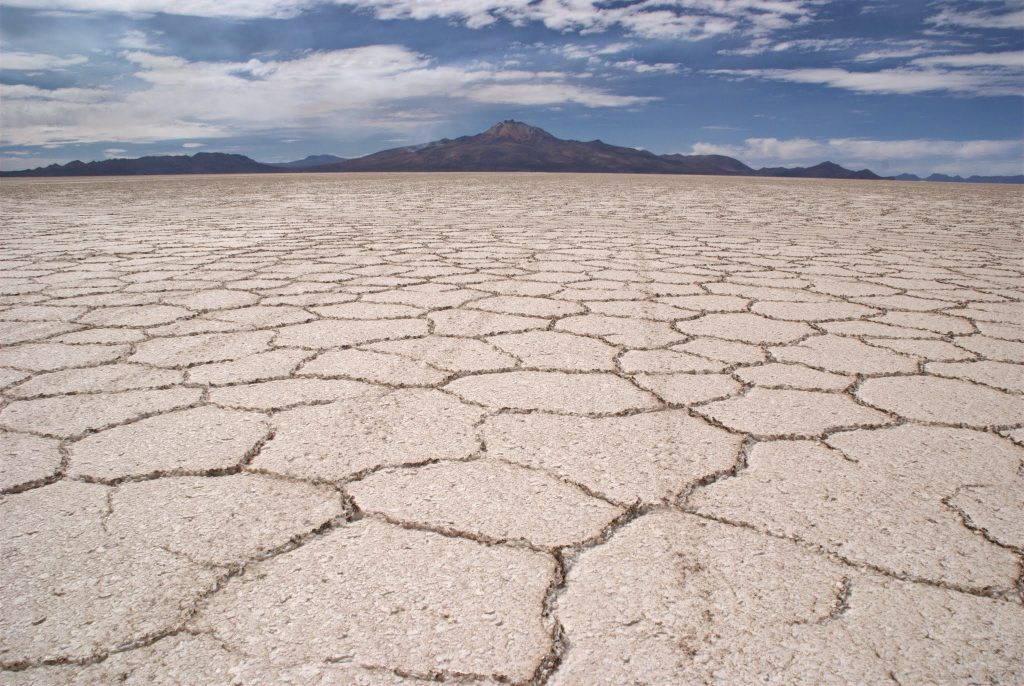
point(508, 146)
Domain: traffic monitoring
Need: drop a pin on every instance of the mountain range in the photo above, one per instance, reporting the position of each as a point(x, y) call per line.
point(508, 146)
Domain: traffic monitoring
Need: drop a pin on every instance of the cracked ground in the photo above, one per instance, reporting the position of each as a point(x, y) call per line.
point(531, 429)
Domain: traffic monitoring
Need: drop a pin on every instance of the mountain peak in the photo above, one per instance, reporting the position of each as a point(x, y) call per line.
point(515, 131)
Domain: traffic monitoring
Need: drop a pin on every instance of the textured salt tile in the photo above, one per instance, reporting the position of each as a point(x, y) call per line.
point(844, 356)
point(1002, 330)
point(104, 594)
point(490, 499)
point(686, 389)
point(948, 401)
point(791, 413)
point(449, 352)
point(995, 509)
point(589, 393)
point(135, 315)
point(377, 367)
point(926, 350)
point(666, 362)
point(257, 367)
point(672, 599)
point(557, 350)
point(766, 293)
point(481, 323)
point(105, 378)
point(479, 605)
point(44, 357)
point(22, 332)
point(649, 457)
point(361, 310)
point(526, 306)
point(263, 316)
point(631, 333)
point(427, 300)
point(517, 287)
point(342, 438)
point(41, 313)
point(213, 299)
point(811, 312)
point(1008, 312)
point(588, 295)
point(1003, 375)
point(195, 440)
point(189, 327)
point(875, 329)
point(745, 327)
point(993, 348)
point(778, 375)
point(25, 459)
point(904, 302)
point(334, 333)
point(724, 351)
point(641, 310)
point(9, 376)
point(885, 509)
point(101, 336)
point(708, 303)
point(220, 521)
point(183, 351)
point(70, 415)
point(938, 323)
point(272, 395)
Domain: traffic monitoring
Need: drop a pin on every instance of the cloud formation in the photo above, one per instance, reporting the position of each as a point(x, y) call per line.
point(369, 85)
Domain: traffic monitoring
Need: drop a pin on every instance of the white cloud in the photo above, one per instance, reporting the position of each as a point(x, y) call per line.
point(137, 40)
point(114, 152)
point(645, 68)
point(36, 61)
point(359, 88)
point(919, 155)
point(192, 145)
point(681, 19)
point(977, 59)
point(903, 81)
point(1008, 18)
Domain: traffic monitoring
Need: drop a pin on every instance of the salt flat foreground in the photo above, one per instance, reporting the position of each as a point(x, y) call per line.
point(511, 428)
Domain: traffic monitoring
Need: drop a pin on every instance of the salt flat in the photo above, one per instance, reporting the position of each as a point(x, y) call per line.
point(547, 429)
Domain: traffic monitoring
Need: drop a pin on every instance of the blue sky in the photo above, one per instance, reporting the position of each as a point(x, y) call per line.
point(894, 86)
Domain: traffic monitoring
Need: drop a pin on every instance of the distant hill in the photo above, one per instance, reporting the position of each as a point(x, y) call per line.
point(310, 162)
point(945, 178)
point(200, 163)
point(508, 146)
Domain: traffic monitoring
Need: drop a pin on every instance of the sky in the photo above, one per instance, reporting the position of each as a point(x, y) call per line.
point(892, 85)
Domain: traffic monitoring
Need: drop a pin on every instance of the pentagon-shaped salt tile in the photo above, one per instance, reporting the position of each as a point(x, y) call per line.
point(449, 352)
point(745, 327)
point(190, 441)
point(103, 379)
point(336, 333)
point(376, 367)
point(70, 415)
point(558, 350)
point(213, 299)
point(184, 351)
point(481, 323)
point(135, 315)
point(586, 393)
point(46, 357)
point(444, 605)
point(947, 401)
point(334, 441)
point(649, 457)
point(257, 367)
point(490, 499)
point(844, 356)
point(764, 412)
point(527, 306)
point(631, 333)
point(221, 521)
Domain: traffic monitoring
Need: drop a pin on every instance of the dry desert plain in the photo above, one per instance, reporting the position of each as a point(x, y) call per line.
point(532, 429)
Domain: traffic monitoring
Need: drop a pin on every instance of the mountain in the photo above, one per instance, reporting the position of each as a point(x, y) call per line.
point(310, 162)
point(945, 178)
point(200, 163)
point(825, 170)
point(508, 146)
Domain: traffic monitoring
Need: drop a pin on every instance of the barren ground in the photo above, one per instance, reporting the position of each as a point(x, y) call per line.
point(545, 429)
